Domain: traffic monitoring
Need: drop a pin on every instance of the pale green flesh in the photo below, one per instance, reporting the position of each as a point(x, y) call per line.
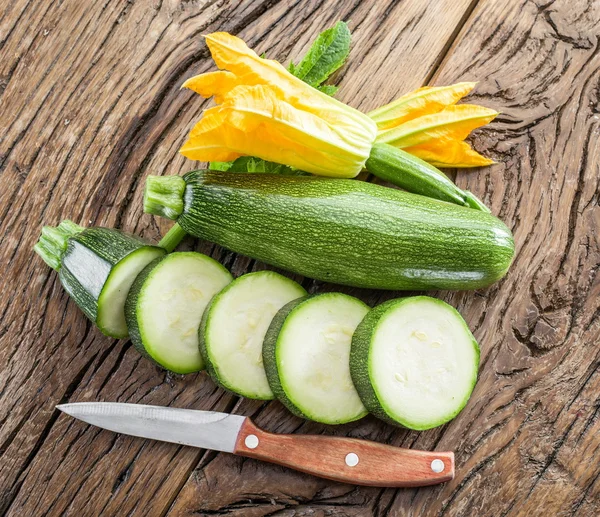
point(170, 306)
point(237, 323)
point(111, 302)
point(313, 351)
point(423, 363)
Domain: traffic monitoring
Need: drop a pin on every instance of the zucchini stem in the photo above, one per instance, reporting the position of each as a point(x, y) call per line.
point(417, 176)
point(52, 243)
point(474, 202)
point(164, 196)
point(173, 237)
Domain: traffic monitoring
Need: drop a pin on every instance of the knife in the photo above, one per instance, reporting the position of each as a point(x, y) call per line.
point(349, 460)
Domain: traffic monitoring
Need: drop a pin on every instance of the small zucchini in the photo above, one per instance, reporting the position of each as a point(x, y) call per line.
point(413, 174)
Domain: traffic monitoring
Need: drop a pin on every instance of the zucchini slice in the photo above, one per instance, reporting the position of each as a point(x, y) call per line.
point(234, 326)
point(414, 362)
point(306, 353)
point(165, 305)
point(97, 267)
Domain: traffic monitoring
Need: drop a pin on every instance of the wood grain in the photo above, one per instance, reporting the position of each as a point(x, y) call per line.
point(90, 104)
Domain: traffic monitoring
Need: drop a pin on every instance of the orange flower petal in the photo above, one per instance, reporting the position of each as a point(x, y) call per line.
point(453, 122)
point(211, 84)
point(449, 153)
point(232, 54)
point(265, 111)
point(424, 101)
point(209, 139)
point(254, 121)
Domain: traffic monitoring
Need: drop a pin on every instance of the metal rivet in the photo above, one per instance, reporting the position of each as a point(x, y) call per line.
point(251, 441)
point(438, 466)
point(351, 459)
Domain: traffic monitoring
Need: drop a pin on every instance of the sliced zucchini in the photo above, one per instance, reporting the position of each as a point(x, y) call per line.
point(234, 326)
point(306, 353)
point(165, 305)
point(97, 266)
point(414, 362)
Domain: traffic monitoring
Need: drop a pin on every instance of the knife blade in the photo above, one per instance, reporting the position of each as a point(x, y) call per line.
point(348, 460)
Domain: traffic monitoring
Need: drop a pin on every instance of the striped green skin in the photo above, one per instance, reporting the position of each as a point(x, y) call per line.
point(89, 260)
point(270, 355)
point(347, 232)
point(360, 364)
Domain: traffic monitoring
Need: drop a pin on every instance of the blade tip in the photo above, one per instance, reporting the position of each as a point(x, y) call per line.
point(65, 408)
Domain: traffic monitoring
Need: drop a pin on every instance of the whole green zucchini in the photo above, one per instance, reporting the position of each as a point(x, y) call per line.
point(343, 231)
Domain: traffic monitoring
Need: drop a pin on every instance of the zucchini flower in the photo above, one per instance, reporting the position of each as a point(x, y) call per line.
point(264, 111)
point(428, 123)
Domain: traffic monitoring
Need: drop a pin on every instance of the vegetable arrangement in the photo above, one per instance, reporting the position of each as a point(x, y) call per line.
point(328, 357)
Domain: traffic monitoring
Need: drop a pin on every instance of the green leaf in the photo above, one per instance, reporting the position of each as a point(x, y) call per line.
point(327, 54)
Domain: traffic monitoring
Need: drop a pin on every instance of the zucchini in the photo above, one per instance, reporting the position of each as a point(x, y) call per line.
point(343, 231)
point(165, 305)
point(413, 174)
point(414, 362)
point(306, 353)
point(234, 326)
point(96, 266)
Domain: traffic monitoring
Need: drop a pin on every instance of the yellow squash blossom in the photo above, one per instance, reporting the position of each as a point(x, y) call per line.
point(430, 125)
point(264, 111)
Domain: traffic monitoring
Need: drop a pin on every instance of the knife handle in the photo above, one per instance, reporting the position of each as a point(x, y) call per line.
point(349, 460)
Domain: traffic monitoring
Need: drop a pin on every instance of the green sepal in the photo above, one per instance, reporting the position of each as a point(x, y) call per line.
point(328, 89)
point(255, 165)
point(219, 166)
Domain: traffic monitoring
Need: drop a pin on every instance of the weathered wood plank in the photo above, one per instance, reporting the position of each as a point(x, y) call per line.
point(90, 105)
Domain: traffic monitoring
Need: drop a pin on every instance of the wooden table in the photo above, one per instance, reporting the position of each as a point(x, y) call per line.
point(90, 104)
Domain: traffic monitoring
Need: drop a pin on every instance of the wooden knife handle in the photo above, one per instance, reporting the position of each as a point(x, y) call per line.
point(349, 460)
